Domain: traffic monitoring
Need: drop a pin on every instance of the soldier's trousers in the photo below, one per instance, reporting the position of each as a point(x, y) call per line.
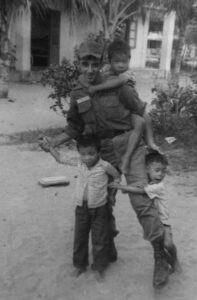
point(113, 150)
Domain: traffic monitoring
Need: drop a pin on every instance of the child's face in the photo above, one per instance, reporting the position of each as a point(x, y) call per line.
point(89, 155)
point(119, 63)
point(156, 171)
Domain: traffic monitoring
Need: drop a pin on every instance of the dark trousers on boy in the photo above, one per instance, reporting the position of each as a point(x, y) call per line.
point(95, 220)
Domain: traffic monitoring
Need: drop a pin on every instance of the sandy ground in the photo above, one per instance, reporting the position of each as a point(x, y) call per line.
point(29, 109)
point(36, 234)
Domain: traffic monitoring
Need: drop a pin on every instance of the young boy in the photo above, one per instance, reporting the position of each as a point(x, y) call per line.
point(91, 212)
point(156, 168)
point(115, 75)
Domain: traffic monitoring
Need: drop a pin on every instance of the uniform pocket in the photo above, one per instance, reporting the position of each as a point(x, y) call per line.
point(84, 104)
point(87, 114)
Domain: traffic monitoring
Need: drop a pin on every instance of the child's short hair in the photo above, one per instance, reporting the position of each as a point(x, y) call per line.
point(155, 156)
point(87, 141)
point(118, 47)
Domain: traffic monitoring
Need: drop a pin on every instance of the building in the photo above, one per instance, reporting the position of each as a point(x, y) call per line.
point(43, 40)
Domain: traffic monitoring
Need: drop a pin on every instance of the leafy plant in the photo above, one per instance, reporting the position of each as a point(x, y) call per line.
point(62, 79)
point(174, 110)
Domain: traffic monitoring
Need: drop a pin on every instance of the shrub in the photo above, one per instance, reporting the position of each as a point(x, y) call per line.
point(174, 111)
point(62, 78)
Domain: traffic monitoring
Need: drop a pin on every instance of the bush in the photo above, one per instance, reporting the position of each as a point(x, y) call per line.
point(62, 78)
point(174, 111)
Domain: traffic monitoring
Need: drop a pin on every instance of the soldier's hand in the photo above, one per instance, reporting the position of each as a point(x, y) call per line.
point(44, 143)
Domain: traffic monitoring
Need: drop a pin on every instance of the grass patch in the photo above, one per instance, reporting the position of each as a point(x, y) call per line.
point(182, 159)
point(28, 137)
point(181, 154)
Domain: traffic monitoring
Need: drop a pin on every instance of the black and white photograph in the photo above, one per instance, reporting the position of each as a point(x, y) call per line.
point(98, 143)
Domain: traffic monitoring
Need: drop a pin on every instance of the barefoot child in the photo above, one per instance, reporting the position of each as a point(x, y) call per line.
point(116, 75)
point(156, 168)
point(91, 212)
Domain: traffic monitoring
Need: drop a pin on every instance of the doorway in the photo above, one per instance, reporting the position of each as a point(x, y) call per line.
point(45, 39)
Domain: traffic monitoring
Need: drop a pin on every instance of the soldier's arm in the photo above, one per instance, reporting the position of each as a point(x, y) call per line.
point(70, 131)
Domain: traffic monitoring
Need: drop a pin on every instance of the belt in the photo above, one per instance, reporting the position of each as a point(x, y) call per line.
point(109, 134)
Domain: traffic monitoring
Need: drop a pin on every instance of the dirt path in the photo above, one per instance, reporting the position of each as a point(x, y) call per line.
point(36, 234)
point(28, 109)
point(36, 237)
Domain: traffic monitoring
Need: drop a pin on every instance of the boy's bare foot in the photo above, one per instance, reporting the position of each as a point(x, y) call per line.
point(78, 271)
point(100, 276)
point(177, 267)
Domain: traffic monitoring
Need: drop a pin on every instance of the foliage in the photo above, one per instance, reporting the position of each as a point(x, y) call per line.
point(194, 78)
point(114, 13)
point(62, 79)
point(185, 14)
point(174, 111)
point(191, 37)
point(8, 55)
point(185, 10)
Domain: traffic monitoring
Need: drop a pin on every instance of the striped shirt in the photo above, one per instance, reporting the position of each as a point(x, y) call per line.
point(92, 184)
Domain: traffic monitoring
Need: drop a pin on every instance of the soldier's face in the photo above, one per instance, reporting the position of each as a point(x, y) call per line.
point(90, 67)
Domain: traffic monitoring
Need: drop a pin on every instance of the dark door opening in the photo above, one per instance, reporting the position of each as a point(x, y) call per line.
point(45, 39)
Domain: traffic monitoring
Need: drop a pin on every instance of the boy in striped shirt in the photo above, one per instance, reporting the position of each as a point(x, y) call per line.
point(92, 211)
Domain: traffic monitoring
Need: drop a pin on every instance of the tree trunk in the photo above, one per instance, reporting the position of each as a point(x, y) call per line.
point(4, 52)
point(4, 74)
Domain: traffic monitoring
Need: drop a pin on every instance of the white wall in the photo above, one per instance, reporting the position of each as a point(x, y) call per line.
point(167, 41)
point(138, 54)
point(20, 36)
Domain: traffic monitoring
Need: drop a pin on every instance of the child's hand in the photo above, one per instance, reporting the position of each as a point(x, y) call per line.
point(91, 90)
point(44, 143)
point(117, 180)
point(114, 185)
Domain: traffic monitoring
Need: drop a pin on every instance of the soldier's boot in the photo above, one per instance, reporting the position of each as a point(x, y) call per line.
point(161, 269)
point(172, 259)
